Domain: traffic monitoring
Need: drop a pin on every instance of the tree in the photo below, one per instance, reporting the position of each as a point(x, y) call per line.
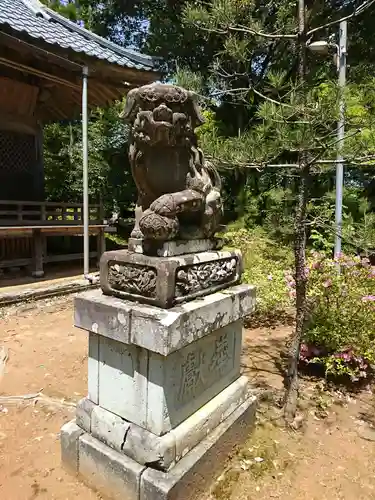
point(110, 179)
point(295, 123)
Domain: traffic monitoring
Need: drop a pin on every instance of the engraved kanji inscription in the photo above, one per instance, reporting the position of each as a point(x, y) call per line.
point(192, 375)
point(220, 356)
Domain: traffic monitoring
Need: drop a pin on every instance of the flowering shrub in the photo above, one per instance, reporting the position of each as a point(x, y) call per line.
point(340, 332)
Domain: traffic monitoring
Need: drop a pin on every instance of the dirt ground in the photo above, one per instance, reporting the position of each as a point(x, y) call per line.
point(330, 457)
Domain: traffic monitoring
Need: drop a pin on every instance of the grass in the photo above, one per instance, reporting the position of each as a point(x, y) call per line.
point(261, 456)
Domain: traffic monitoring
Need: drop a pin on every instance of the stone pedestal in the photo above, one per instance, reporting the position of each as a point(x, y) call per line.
point(171, 248)
point(166, 402)
point(167, 281)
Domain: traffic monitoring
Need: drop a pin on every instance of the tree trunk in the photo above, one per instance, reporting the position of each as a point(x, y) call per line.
point(291, 379)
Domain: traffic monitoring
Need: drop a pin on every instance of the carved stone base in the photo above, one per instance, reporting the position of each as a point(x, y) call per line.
point(155, 367)
point(171, 248)
point(163, 452)
point(119, 477)
point(166, 401)
point(167, 281)
point(159, 392)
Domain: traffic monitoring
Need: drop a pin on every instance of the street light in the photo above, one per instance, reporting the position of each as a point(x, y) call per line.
point(322, 47)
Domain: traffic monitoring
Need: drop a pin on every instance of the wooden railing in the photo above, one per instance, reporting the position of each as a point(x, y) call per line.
point(34, 213)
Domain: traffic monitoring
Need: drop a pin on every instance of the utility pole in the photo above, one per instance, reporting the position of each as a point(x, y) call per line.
point(86, 249)
point(341, 63)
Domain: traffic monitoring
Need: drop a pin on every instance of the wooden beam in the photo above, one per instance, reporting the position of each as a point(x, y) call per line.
point(33, 71)
point(26, 231)
point(38, 246)
point(60, 60)
point(18, 123)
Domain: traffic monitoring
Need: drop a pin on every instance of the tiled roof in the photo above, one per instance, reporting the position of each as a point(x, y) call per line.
point(32, 18)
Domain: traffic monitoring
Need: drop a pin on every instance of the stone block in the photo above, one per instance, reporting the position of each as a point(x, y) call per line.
point(69, 438)
point(123, 380)
point(119, 477)
point(162, 452)
point(108, 471)
point(97, 316)
point(198, 426)
point(159, 392)
point(184, 381)
point(84, 410)
point(192, 476)
point(109, 428)
point(158, 330)
point(146, 448)
point(93, 368)
point(173, 247)
point(167, 281)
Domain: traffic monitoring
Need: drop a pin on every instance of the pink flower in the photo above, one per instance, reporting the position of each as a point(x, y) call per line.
point(316, 265)
point(365, 262)
point(327, 283)
point(368, 298)
point(270, 277)
point(292, 294)
point(308, 351)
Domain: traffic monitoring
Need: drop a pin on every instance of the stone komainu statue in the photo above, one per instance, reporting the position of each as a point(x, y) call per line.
point(178, 191)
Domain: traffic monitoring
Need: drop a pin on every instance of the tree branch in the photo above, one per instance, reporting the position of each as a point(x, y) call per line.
point(359, 10)
point(246, 29)
point(244, 90)
point(328, 146)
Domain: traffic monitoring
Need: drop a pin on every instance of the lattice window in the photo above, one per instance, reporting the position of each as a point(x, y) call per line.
point(17, 152)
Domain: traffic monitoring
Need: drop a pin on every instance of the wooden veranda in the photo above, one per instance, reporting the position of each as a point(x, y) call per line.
point(44, 60)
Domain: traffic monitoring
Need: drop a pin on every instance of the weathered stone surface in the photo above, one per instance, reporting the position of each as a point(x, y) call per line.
point(184, 381)
point(166, 281)
point(93, 368)
point(193, 475)
point(123, 380)
point(174, 247)
point(83, 413)
point(108, 471)
point(98, 317)
point(158, 452)
point(178, 191)
point(162, 452)
point(189, 322)
point(159, 392)
point(69, 438)
point(199, 425)
point(109, 428)
point(164, 331)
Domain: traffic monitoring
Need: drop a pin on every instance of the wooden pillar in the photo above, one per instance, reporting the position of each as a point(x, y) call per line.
point(100, 244)
point(38, 248)
point(39, 167)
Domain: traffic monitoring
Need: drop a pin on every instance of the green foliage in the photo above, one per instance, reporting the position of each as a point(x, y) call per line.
point(265, 262)
point(110, 178)
point(67, 8)
point(340, 333)
point(358, 231)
